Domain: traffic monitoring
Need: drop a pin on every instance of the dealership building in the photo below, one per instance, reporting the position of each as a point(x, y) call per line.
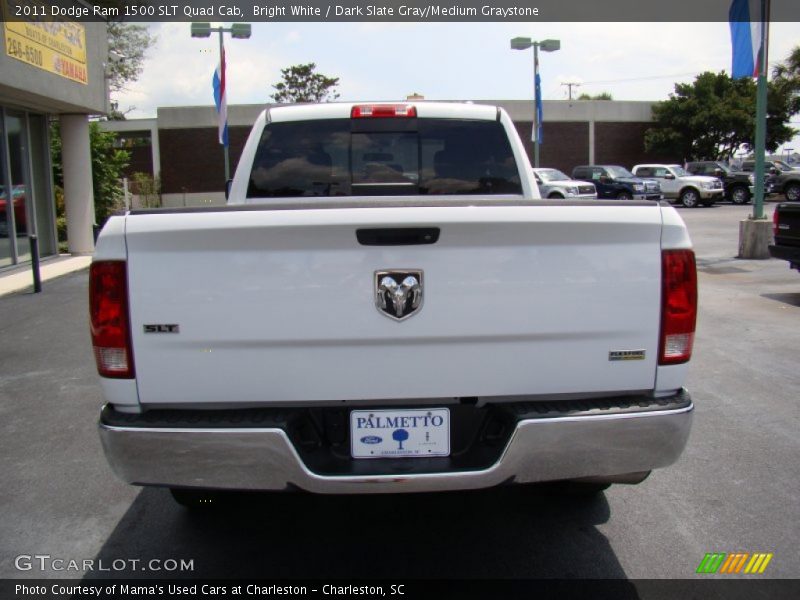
point(179, 146)
point(47, 70)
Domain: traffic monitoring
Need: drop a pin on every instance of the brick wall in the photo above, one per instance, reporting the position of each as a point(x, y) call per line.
point(564, 144)
point(192, 159)
point(141, 161)
point(623, 144)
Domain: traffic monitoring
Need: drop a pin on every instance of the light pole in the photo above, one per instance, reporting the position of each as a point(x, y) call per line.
point(761, 114)
point(238, 31)
point(523, 43)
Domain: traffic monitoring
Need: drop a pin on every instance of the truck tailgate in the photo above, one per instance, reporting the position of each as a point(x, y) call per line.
point(787, 231)
point(277, 306)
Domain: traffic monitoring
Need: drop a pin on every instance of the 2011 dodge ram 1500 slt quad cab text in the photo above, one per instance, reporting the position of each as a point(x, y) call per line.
point(387, 305)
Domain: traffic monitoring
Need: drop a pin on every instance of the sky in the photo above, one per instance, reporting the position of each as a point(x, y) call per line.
point(442, 61)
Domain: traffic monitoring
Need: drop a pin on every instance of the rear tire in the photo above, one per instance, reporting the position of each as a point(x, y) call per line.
point(792, 192)
point(740, 195)
point(690, 198)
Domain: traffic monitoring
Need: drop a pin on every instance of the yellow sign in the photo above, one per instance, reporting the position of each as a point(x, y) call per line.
point(57, 47)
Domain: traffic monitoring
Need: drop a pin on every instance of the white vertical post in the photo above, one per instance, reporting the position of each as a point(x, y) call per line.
point(155, 151)
point(126, 194)
point(78, 191)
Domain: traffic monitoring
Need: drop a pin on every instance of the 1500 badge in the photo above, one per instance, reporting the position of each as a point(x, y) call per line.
point(626, 355)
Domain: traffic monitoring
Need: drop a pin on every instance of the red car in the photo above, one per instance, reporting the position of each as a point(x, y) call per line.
point(18, 198)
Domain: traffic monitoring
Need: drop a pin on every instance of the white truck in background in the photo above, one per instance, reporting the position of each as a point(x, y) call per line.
point(681, 186)
point(554, 184)
point(386, 305)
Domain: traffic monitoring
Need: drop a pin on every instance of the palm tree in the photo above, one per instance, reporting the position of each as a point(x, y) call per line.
point(789, 68)
point(786, 76)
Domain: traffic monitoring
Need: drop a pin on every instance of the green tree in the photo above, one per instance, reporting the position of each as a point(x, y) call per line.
point(786, 76)
point(108, 163)
point(301, 83)
point(714, 116)
point(600, 96)
point(127, 49)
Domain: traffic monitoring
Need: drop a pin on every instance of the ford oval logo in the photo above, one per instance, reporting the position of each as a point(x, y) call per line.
point(371, 439)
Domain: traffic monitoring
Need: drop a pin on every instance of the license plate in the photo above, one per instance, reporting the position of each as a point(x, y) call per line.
point(403, 433)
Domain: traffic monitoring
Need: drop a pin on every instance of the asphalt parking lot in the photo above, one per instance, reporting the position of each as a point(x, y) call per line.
point(737, 487)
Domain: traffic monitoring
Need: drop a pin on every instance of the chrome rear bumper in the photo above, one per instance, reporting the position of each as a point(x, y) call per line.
point(540, 449)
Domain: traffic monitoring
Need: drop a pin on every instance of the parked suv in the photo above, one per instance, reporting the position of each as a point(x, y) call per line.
point(771, 167)
point(554, 184)
point(677, 184)
point(738, 185)
point(613, 181)
point(786, 183)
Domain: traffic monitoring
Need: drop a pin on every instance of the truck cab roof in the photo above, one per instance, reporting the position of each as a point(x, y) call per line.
point(343, 110)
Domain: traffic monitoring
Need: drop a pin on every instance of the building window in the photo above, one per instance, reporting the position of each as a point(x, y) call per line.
point(26, 205)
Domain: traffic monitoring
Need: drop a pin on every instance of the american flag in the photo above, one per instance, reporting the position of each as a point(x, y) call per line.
point(746, 19)
point(536, 132)
point(221, 99)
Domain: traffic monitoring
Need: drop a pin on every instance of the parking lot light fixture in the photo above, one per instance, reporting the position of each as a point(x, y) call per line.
point(550, 45)
point(240, 31)
point(523, 43)
point(201, 30)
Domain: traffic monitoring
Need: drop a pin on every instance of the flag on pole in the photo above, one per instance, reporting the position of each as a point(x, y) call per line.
point(221, 99)
point(536, 132)
point(747, 23)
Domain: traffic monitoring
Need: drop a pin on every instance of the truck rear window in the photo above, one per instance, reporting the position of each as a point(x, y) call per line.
point(337, 157)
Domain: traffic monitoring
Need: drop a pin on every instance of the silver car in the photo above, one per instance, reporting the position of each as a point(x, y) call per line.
point(555, 184)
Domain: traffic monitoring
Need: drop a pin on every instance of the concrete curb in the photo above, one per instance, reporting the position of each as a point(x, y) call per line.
point(20, 279)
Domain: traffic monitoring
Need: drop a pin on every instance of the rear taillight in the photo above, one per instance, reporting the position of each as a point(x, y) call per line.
point(775, 223)
point(366, 111)
point(110, 323)
point(678, 306)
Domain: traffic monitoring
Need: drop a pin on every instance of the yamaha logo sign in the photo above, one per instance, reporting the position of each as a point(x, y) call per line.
point(398, 293)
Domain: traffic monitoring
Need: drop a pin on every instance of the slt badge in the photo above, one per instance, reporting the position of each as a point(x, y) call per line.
point(398, 293)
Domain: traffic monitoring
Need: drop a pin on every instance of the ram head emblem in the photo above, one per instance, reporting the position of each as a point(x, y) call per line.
point(398, 293)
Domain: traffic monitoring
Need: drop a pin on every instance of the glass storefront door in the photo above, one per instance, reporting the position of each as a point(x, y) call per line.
point(20, 184)
point(26, 198)
point(6, 257)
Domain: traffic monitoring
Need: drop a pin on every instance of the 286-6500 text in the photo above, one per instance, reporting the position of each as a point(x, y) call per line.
point(24, 52)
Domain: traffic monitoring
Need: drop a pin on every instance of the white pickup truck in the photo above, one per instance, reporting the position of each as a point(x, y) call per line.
point(678, 184)
point(386, 305)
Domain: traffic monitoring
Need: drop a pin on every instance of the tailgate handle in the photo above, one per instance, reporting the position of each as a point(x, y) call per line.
point(398, 236)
